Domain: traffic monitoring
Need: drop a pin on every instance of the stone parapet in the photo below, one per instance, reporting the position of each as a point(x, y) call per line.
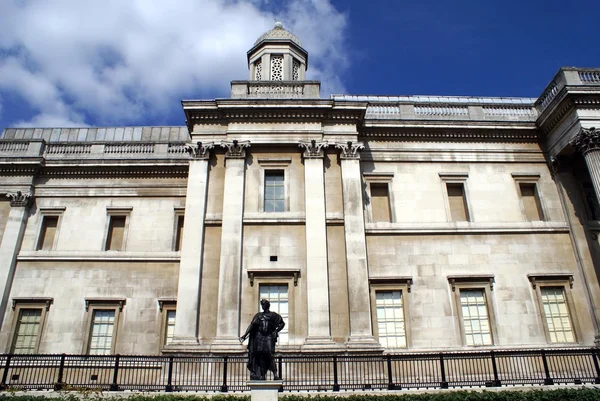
point(275, 89)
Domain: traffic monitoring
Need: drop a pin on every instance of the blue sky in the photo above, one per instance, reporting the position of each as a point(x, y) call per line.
point(84, 62)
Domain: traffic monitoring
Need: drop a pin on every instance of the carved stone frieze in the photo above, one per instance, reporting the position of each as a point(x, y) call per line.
point(587, 140)
point(200, 150)
point(350, 150)
point(313, 149)
point(235, 148)
point(19, 199)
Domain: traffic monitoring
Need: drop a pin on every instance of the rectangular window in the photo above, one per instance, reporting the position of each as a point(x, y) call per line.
point(48, 233)
point(169, 325)
point(277, 295)
point(116, 233)
point(531, 202)
point(102, 332)
point(380, 202)
point(475, 318)
point(457, 202)
point(556, 311)
point(27, 331)
point(389, 307)
point(274, 191)
point(178, 232)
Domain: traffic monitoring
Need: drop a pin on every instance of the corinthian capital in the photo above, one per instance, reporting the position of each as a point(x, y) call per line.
point(350, 150)
point(587, 140)
point(19, 199)
point(200, 151)
point(235, 148)
point(313, 148)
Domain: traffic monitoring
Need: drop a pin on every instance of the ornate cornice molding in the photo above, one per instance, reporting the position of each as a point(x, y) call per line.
point(313, 149)
point(19, 199)
point(350, 150)
point(587, 140)
point(200, 151)
point(235, 149)
point(139, 171)
point(436, 135)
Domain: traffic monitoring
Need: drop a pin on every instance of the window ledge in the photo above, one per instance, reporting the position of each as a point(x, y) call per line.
point(274, 217)
point(466, 227)
point(252, 273)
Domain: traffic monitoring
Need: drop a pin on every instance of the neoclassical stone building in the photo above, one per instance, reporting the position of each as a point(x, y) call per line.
point(371, 223)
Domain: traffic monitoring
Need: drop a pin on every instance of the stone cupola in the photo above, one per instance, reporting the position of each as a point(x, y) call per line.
point(277, 56)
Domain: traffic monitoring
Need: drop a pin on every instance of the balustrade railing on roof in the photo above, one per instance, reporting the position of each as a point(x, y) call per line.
point(302, 372)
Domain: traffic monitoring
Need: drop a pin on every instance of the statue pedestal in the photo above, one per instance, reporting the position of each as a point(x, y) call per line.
point(264, 390)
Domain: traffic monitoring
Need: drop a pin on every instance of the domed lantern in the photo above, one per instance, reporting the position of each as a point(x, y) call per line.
point(277, 56)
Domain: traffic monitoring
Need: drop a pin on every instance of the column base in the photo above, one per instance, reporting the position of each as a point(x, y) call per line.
point(227, 344)
point(321, 344)
point(364, 343)
point(264, 390)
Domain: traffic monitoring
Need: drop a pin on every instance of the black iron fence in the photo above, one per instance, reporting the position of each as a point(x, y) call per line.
point(302, 372)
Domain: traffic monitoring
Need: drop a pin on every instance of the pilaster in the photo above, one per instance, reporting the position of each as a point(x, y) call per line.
point(361, 334)
point(317, 277)
point(11, 243)
point(230, 268)
point(190, 269)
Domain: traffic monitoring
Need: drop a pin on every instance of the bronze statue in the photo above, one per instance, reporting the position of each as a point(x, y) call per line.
point(263, 331)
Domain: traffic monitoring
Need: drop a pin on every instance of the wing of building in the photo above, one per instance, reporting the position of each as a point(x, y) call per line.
point(371, 223)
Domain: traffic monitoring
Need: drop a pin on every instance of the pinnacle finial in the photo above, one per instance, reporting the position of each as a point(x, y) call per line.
point(278, 25)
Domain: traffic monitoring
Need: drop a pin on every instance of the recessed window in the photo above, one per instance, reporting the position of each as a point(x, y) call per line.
point(274, 199)
point(28, 323)
point(475, 318)
point(457, 202)
point(178, 232)
point(102, 332)
point(169, 325)
point(103, 322)
point(531, 201)
point(556, 313)
point(48, 233)
point(389, 307)
point(380, 202)
point(27, 331)
point(277, 295)
point(116, 233)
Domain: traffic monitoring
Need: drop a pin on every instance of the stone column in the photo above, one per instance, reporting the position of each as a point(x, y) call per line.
point(11, 243)
point(588, 143)
point(230, 269)
point(361, 333)
point(317, 277)
point(190, 267)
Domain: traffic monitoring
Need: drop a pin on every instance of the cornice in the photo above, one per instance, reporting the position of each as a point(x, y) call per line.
point(102, 171)
point(568, 99)
point(446, 135)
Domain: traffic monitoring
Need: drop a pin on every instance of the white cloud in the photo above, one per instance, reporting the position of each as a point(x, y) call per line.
point(116, 62)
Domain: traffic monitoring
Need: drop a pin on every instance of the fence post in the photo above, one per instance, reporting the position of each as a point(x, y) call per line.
point(495, 368)
point(114, 386)
point(389, 372)
point(595, 359)
point(224, 385)
point(280, 368)
point(5, 374)
point(336, 385)
point(61, 368)
point(548, 380)
point(169, 387)
point(444, 383)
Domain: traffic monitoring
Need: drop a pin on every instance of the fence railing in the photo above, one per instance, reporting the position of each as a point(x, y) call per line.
point(302, 372)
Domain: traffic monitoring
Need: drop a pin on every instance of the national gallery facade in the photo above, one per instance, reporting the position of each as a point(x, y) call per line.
point(372, 224)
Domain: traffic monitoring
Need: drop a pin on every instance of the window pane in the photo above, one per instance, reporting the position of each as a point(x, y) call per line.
point(556, 310)
point(475, 317)
point(26, 333)
point(390, 318)
point(274, 196)
point(102, 332)
point(170, 326)
point(277, 295)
